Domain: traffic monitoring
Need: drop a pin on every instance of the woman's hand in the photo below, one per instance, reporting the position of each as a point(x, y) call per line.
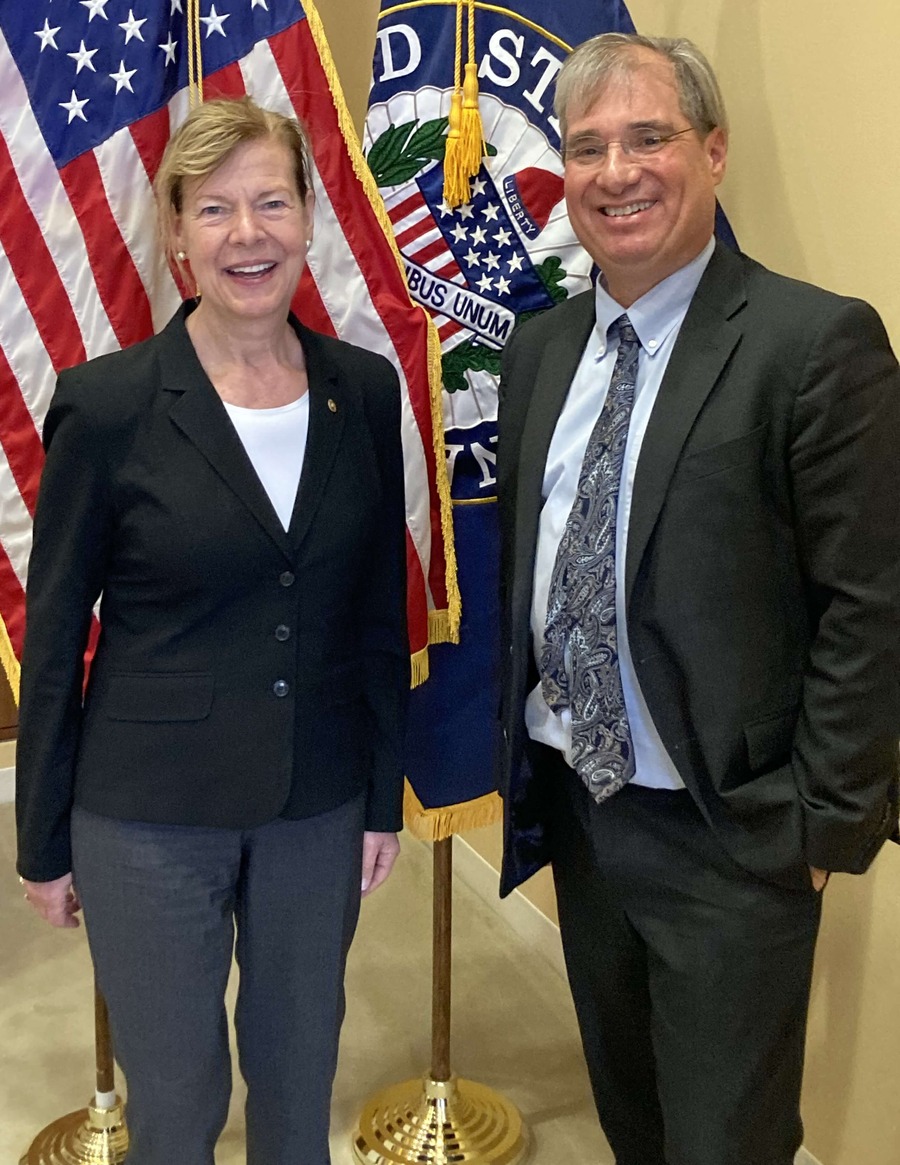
point(379, 854)
point(55, 901)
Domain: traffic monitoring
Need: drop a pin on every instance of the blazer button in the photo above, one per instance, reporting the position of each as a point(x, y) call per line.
point(282, 633)
point(281, 688)
point(286, 578)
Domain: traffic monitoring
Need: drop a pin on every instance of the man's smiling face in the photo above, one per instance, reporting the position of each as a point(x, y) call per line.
point(641, 219)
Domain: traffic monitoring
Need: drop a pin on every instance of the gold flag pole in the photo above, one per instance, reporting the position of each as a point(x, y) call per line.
point(441, 1119)
point(95, 1135)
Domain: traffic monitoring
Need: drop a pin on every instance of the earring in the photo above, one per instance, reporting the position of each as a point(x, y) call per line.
point(180, 256)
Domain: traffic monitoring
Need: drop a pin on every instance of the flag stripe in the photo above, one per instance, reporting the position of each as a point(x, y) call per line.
point(20, 340)
point(428, 251)
point(117, 281)
point(424, 226)
point(35, 272)
point(408, 206)
point(128, 195)
point(19, 440)
point(150, 135)
point(314, 314)
point(231, 80)
point(12, 604)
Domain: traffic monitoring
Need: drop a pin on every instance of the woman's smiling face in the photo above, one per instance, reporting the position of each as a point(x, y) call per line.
point(245, 230)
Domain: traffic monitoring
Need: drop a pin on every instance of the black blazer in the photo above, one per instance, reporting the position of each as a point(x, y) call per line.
point(762, 573)
point(242, 671)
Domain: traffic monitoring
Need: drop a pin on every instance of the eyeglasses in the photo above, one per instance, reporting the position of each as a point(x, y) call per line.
point(639, 144)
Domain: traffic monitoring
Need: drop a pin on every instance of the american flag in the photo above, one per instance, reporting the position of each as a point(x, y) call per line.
point(91, 92)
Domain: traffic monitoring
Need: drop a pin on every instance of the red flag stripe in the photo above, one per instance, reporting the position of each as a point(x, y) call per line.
point(227, 82)
point(308, 305)
point(150, 135)
point(423, 227)
point(35, 271)
point(118, 283)
point(409, 205)
point(12, 603)
point(18, 437)
point(431, 251)
point(445, 331)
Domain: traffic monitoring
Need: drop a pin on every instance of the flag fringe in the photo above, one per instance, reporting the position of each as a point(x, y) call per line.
point(439, 824)
point(364, 174)
point(8, 660)
point(440, 629)
point(419, 667)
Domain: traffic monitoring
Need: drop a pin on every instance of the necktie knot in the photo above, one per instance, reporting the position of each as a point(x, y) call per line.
point(625, 331)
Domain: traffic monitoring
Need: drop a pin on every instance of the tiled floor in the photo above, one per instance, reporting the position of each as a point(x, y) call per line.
point(513, 1024)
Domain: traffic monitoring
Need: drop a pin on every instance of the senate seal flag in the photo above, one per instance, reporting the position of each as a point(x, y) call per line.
point(479, 268)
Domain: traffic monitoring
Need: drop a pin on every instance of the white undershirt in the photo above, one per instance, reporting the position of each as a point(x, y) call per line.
point(275, 441)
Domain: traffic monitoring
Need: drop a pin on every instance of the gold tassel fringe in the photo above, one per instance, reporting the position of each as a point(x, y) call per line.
point(9, 662)
point(439, 824)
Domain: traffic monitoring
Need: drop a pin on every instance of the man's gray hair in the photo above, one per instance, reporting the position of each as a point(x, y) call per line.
point(599, 60)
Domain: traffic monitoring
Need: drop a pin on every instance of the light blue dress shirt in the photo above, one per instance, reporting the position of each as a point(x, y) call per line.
point(657, 318)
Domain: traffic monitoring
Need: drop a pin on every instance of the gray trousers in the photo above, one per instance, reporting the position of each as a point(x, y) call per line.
point(162, 905)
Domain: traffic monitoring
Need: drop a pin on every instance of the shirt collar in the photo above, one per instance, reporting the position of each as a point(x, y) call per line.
point(656, 313)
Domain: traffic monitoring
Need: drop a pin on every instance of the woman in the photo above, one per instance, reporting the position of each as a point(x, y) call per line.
point(235, 762)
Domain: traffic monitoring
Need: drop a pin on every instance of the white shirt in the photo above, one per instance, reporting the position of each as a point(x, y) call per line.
point(656, 318)
point(275, 442)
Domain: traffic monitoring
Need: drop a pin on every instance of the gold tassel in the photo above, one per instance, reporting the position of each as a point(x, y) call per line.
point(465, 136)
point(471, 131)
point(456, 184)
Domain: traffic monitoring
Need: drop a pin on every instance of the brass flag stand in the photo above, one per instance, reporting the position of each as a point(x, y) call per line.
point(442, 1119)
point(95, 1135)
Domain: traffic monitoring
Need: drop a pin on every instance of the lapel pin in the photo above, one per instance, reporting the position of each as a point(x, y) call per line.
point(332, 405)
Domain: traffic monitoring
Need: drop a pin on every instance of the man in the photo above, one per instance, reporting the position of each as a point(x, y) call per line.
point(699, 482)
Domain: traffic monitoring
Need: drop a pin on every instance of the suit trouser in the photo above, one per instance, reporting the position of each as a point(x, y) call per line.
point(161, 905)
point(690, 977)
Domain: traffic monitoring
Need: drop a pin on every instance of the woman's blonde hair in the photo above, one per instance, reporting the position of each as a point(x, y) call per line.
point(209, 134)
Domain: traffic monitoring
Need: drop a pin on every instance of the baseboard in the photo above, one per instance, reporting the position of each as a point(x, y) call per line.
point(7, 785)
point(528, 923)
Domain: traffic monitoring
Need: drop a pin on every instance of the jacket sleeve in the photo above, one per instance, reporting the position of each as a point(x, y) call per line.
point(385, 641)
point(845, 474)
point(72, 533)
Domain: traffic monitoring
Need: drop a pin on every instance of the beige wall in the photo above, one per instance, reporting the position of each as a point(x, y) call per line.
point(814, 191)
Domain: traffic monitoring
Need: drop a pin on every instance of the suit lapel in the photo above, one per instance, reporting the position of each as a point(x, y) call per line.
point(707, 339)
point(327, 413)
point(558, 364)
point(199, 413)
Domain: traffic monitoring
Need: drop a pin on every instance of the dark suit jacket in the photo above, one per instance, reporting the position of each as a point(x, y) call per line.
point(207, 603)
point(762, 573)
